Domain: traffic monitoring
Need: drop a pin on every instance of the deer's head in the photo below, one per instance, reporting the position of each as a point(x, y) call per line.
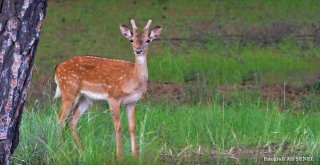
point(140, 41)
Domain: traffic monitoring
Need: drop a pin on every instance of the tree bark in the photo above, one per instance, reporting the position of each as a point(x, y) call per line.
point(20, 24)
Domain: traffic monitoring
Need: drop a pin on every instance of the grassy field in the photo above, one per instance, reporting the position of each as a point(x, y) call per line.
point(249, 72)
point(184, 134)
point(86, 28)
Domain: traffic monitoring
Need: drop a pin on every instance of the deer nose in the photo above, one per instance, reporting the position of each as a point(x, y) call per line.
point(138, 51)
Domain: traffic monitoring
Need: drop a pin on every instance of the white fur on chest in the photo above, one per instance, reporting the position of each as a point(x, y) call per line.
point(132, 98)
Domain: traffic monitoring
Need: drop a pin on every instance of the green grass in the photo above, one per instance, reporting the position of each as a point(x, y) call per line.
point(165, 128)
point(229, 67)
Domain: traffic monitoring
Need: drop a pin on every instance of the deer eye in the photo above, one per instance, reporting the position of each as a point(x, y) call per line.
point(148, 41)
point(131, 40)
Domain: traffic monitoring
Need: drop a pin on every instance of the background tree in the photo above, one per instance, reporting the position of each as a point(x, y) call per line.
point(20, 24)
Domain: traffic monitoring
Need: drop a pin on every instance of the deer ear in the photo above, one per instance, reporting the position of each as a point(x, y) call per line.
point(125, 31)
point(155, 32)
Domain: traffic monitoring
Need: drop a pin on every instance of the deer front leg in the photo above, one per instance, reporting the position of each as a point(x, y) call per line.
point(115, 112)
point(130, 108)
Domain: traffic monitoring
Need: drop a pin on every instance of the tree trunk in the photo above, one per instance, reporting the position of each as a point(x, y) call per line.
point(20, 23)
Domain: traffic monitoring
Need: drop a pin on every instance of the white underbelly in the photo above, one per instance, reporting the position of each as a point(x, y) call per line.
point(95, 96)
point(132, 98)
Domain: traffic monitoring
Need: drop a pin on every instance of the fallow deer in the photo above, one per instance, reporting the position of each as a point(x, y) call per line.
point(82, 79)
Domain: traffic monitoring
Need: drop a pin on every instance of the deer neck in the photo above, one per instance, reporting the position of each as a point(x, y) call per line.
point(140, 68)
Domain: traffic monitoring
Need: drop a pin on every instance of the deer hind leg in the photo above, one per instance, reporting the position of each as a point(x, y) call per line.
point(115, 113)
point(67, 105)
point(83, 104)
point(130, 108)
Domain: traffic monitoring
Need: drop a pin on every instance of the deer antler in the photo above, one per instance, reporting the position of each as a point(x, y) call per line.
point(148, 24)
point(134, 27)
point(146, 28)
